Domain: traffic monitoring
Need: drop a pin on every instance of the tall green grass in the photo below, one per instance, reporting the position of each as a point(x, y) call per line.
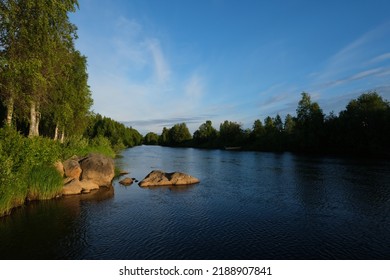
point(44, 182)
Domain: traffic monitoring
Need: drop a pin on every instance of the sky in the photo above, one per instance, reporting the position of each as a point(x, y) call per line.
point(155, 63)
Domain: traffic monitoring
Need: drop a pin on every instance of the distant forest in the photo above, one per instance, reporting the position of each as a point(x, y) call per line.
point(362, 129)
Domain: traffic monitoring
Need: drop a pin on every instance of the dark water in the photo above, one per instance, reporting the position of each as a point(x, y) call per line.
point(248, 206)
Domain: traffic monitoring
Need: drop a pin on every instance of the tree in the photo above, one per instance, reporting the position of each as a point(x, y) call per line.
point(179, 134)
point(230, 134)
point(289, 125)
point(257, 135)
point(365, 124)
point(206, 135)
point(309, 124)
point(151, 138)
point(164, 137)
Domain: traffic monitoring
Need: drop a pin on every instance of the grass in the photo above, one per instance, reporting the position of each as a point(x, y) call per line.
point(44, 182)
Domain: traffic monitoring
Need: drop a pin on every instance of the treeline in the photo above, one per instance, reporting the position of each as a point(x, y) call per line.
point(119, 135)
point(43, 78)
point(363, 128)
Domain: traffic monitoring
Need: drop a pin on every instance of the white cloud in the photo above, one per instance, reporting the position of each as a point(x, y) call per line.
point(161, 67)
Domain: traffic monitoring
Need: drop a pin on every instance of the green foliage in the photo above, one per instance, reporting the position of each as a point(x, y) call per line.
point(206, 136)
point(40, 69)
point(178, 135)
point(77, 145)
point(366, 125)
point(230, 134)
point(117, 133)
point(151, 138)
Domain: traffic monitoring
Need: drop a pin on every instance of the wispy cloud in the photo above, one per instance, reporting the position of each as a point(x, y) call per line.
point(380, 58)
point(355, 55)
point(161, 67)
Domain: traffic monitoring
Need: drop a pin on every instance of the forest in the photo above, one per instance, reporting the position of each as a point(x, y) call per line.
point(362, 129)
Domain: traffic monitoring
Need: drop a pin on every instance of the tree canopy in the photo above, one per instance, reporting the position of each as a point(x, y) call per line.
point(43, 78)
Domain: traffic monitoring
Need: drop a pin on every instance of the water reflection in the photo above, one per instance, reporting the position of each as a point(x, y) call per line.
point(174, 189)
point(44, 229)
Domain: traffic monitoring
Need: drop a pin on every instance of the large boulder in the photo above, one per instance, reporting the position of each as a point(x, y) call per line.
point(160, 178)
point(72, 169)
point(98, 169)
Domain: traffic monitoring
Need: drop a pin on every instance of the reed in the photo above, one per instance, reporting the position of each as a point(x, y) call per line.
point(44, 182)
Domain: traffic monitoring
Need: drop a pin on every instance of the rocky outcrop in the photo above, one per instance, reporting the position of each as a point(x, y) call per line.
point(73, 187)
point(98, 169)
point(77, 187)
point(72, 169)
point(160, 178)
point(87, 174)
point(126, 181)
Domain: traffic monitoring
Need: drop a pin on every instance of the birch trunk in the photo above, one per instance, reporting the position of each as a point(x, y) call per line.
point(10, 111)
point(38, 119)
point(62, 135)
point(34, 120)
point(56, 133)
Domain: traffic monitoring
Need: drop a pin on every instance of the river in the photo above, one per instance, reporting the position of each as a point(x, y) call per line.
point(249, 205)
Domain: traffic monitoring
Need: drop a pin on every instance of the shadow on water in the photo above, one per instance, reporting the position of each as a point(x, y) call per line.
point(174, 189)
point(51, 229)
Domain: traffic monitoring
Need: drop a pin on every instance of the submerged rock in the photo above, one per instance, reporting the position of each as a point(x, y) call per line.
point(126, 181)
point(160, 178)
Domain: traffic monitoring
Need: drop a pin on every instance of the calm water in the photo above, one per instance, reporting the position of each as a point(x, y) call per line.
point(248, 206)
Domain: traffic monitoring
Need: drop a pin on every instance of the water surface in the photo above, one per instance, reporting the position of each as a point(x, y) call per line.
point(248, 205)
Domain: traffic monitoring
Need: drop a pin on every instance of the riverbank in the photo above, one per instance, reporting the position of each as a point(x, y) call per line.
point(28, 166)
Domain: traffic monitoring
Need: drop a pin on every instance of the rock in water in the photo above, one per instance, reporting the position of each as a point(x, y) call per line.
point(126, 181)
point(160, 178)
point(98, 169)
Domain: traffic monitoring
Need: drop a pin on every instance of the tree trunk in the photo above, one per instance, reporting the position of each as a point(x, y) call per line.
point(10, 111)
point(56, 133)
point(34, 120)
point(63, 135)
point(36, 133)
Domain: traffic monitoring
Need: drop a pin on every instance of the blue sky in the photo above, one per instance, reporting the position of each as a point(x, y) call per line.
point(156, 63)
